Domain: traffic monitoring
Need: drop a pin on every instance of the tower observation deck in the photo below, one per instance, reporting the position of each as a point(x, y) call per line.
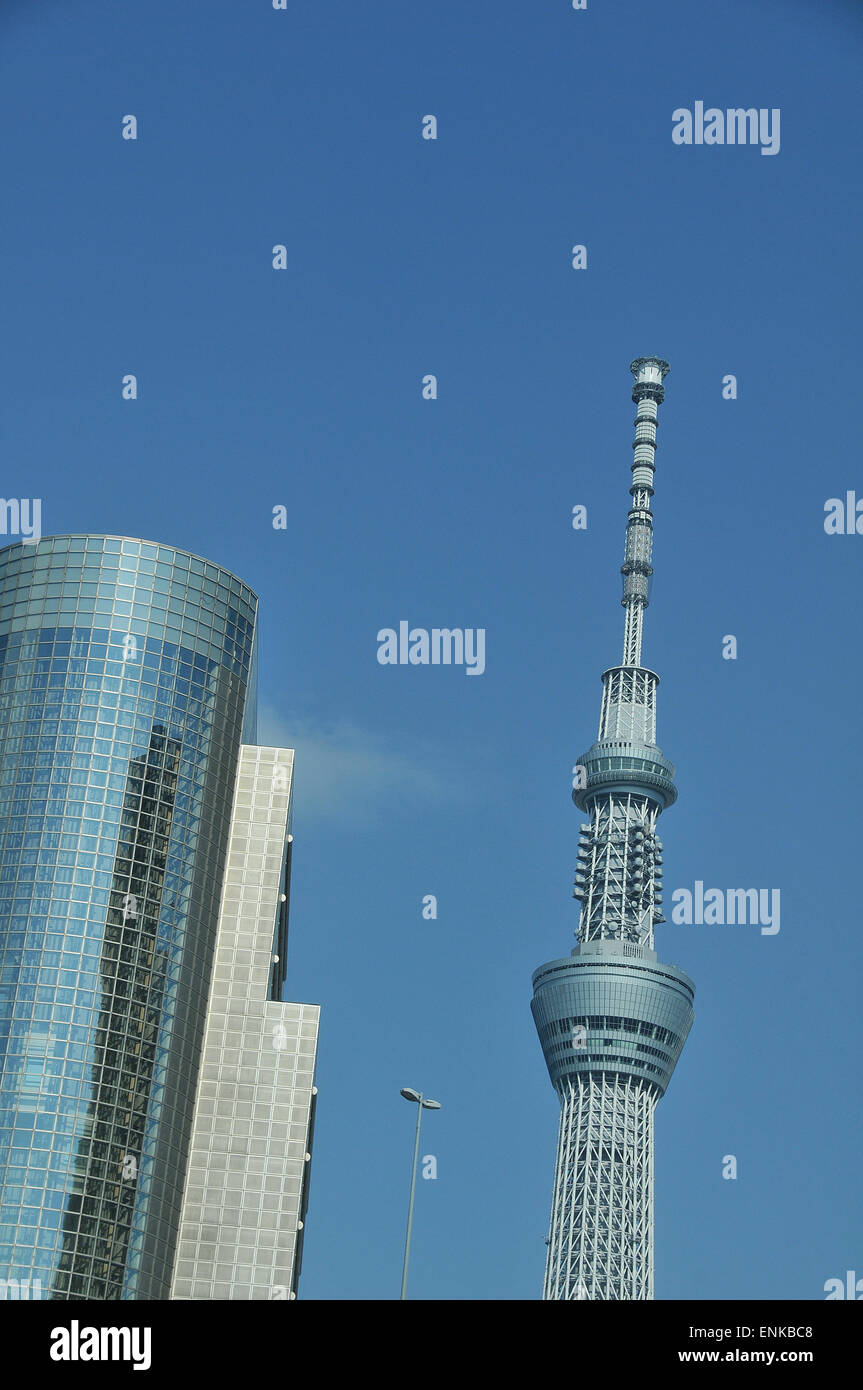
point(612, 1019)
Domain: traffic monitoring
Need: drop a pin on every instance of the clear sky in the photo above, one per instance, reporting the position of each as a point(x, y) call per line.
point(302, 388)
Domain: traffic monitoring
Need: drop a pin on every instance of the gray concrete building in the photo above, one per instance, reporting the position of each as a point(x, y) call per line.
point(247, 1177)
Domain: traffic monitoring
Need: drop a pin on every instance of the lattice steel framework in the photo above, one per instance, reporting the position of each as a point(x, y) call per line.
point(602, 1208)
point(612, 1020)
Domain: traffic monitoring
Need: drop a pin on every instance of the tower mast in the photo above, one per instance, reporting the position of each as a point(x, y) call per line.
point(611, 1019)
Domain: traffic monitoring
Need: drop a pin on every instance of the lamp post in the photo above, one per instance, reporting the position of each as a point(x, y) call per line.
point(421, 1104)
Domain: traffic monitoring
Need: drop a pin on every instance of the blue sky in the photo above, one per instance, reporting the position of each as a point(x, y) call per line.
point(301, 388)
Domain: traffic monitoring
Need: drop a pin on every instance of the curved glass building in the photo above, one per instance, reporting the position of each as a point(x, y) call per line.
point(127, 674)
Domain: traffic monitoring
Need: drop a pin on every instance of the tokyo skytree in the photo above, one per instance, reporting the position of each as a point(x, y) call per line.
point(612, 1019)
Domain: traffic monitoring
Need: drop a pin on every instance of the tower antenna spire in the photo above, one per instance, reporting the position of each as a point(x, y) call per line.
point(611, 1019)
point(648, 393)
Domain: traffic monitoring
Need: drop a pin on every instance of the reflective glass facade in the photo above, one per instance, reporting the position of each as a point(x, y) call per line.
point(126, 673)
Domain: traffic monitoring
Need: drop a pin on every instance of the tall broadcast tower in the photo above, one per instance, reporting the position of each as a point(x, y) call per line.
point(612, 1020)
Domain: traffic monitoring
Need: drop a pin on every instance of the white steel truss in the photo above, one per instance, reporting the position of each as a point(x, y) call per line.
point(619, 873)
point(600, 1243)
point(629, 705)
